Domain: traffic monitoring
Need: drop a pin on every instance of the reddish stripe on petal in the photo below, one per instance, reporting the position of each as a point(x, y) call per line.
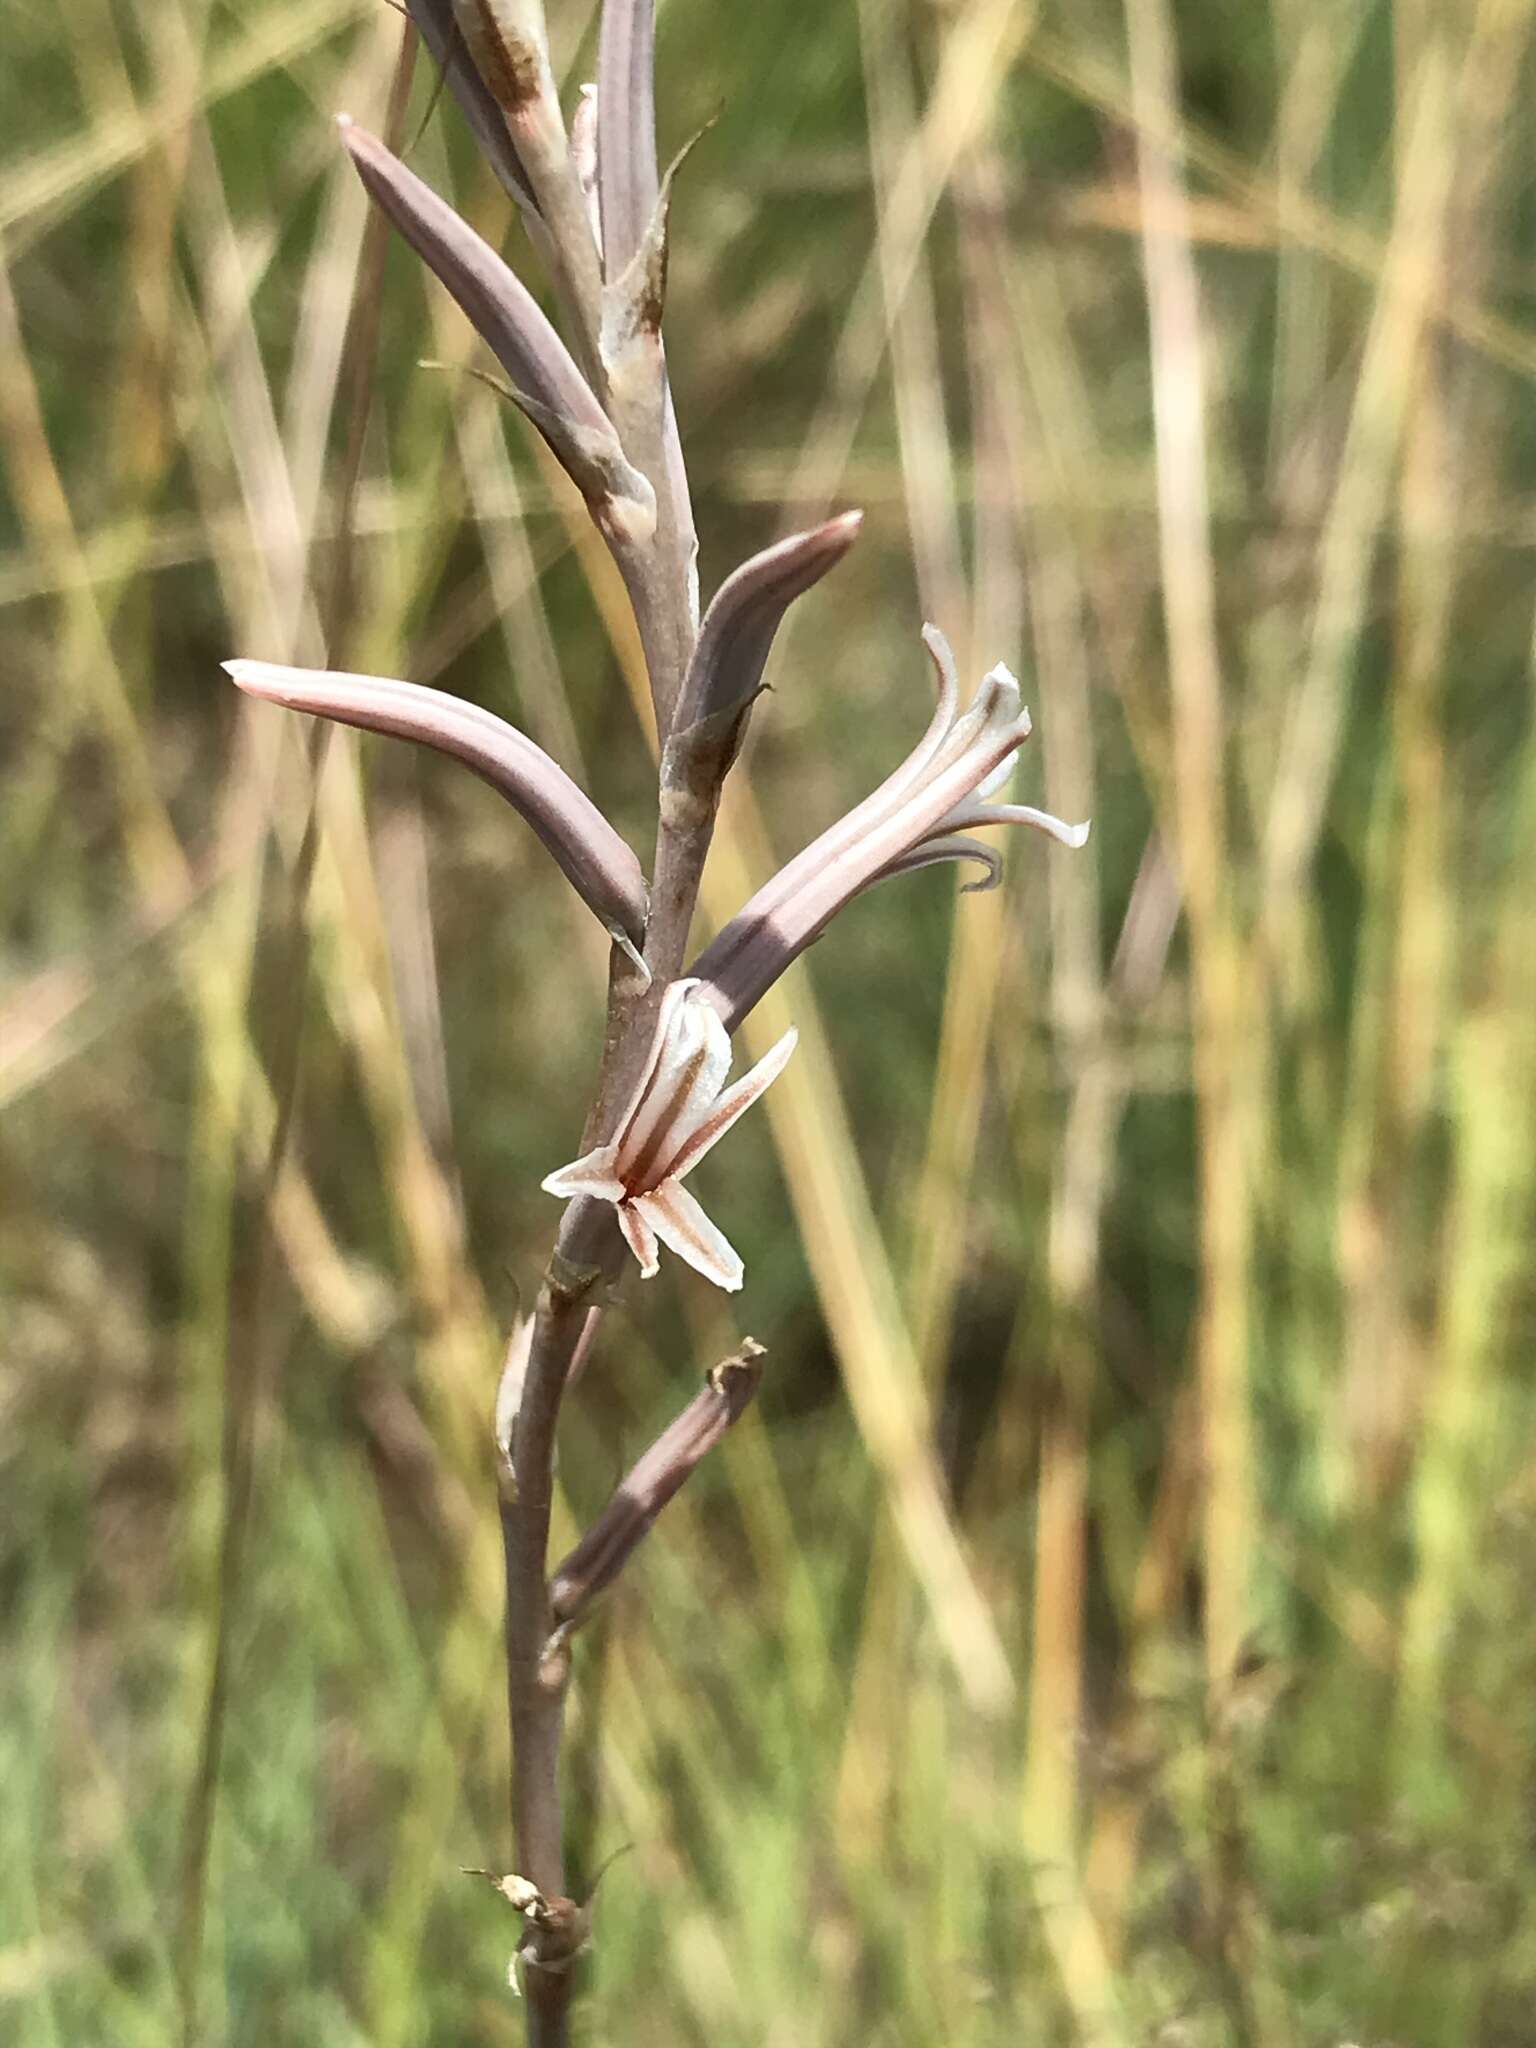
point(640, 1238)
point(683, 1227)
point(735, 1102)
point(593, 1174)
point(686, 1076)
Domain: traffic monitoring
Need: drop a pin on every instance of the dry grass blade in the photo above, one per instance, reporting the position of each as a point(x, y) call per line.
point(1222, 1025)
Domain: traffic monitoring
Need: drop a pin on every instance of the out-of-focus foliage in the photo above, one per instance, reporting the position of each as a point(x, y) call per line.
point(1185, 1184)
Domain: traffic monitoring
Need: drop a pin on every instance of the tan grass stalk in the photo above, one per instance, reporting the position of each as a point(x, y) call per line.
point(1220, 1019)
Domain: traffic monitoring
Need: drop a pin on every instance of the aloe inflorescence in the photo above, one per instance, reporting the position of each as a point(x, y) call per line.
point(597, 211)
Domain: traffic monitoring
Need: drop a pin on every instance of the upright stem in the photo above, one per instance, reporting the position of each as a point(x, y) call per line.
point(587, 1256)
point(537, 1674)
point(535, 1681)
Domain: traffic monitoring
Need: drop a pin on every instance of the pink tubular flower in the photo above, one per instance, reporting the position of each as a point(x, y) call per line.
point(924, 812)
point(680, 1108)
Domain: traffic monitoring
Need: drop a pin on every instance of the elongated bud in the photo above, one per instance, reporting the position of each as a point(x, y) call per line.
point(440, 31)
point(545, 381)
point(737, 635)
point(613, 1538)
point(601, 868)
point(626, 129)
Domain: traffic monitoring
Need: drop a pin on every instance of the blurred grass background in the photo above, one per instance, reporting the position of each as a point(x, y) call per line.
point(1115, 1623)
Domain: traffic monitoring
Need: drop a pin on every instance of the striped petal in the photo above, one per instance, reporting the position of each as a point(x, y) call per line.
point(716, 1118)
point(676, 1218)
point(680, 1108)
point(593, 1174)
point(690, 1059)
point(640, 1238)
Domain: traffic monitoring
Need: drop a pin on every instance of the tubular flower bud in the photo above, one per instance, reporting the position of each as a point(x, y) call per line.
point(600, 867)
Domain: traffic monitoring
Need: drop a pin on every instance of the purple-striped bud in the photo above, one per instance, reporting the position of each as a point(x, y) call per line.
point(726, 671)
point(546, 383)
point(600, 867)
point(627, 180)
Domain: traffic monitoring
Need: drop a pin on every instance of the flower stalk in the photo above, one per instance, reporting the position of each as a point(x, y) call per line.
point(596, 208)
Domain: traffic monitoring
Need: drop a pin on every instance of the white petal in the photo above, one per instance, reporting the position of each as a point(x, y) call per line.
point(1026, 814)
point(593, 1174)
point(640, 1238)
point(947, 676)
point(691, 1059)
point(676, 1218)
point(671, 998)
point(998, 779)
point(951, 846)
point(718, 1116)
point(973, 817)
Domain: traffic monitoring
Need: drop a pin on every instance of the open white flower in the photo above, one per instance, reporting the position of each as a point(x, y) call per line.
point(680, 1108)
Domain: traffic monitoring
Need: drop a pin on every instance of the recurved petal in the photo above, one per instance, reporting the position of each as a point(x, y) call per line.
point(594, 1174)
point(994, 721)
point(640, 1238)
point(676, 1218)
point(600, 866)
point(971, 816)
point(754, 929)
point(716, 1118)
point(952, 846)
point(690, 1058)
point(790, 910)
point(931, 795)
point(947, 679)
